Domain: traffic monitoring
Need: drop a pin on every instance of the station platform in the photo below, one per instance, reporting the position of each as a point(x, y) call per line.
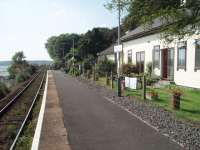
point(50, 131)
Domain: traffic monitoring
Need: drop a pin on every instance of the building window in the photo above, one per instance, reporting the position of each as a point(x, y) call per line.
point(182, 55)
point(140, 59)
point(130, 56)
point(197, 55)
point(156, 57)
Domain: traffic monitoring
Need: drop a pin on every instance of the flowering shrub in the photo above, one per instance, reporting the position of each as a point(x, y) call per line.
point(127, 69)
point(176, 91)
point(153, 93)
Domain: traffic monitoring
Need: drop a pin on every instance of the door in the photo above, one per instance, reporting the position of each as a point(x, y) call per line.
point(165, 63)
point(168, 64)
point(140, 59)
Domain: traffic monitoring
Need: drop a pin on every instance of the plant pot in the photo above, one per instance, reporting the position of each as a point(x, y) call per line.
point(152, 97)
point(176, 101)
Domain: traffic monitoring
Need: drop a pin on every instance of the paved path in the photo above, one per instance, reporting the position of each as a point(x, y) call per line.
point(95, 124)
point(53, 135)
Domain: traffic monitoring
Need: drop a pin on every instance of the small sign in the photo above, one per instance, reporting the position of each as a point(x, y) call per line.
point(131, 83)
point(118, 48)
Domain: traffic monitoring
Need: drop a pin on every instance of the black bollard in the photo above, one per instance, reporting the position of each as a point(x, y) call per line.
point(119, 92)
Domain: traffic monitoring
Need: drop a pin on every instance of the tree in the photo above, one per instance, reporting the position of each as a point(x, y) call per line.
point(179, 19)
point(18, 64)
point(114, 4)
point(19, 58)
point(20, 69)
point(96, 40)
point(59, 46)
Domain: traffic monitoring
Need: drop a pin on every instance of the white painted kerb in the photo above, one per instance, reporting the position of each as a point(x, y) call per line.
point(36, 139)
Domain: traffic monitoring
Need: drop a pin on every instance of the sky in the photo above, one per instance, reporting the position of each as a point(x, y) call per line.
point(25, 25)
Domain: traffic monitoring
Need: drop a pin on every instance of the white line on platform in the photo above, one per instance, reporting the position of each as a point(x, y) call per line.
point(145, 122)
point(36, 139)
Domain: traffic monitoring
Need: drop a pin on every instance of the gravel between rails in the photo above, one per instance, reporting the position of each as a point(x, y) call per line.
point(186, 134)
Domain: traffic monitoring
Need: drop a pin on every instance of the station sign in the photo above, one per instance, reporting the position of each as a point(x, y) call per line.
point(118, 48)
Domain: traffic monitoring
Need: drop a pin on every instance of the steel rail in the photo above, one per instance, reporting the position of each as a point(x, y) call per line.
point(28, 114)
point(13, 100)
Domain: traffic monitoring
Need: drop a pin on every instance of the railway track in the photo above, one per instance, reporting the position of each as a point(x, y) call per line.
point(15, 113)
point(17, 91)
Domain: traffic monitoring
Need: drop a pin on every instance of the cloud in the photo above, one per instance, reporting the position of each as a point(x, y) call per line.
point(60, 12)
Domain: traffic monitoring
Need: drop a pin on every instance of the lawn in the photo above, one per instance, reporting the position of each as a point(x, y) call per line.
point(190, 102)
point(101, 81)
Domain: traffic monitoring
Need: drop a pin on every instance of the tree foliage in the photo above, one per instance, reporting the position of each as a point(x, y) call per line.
point(105, 67)
point(3, 90)
point(97, 40)
point(20, 69)
point(179, 19)
point(60, 48)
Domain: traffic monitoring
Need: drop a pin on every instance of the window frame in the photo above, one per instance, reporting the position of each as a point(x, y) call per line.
point(182, 45)
point(156, 49)
point(130, 56)
point(139, 69)
point(196, 67)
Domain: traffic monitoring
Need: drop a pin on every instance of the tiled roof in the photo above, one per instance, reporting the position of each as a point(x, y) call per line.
point(108, 51)
point(143, 30)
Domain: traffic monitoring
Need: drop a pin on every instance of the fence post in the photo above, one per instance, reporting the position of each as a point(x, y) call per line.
point(119, 92)
point(107, 79)
point(144, 87)
point(111, 77)
point(94, 72)
point(83, 70)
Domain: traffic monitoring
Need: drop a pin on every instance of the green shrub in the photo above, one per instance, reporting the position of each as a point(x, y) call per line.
point(74, 71)
point(128, 69)
point(105, 67)
point(88, 62)
point(3, 90)
point(30, 70)
point(20, 78)
point(149, 69)
point(152, 80)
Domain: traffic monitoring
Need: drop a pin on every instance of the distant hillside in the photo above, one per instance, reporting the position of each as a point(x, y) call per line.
point(4, 63)
point(34, 62)
point(40, 62)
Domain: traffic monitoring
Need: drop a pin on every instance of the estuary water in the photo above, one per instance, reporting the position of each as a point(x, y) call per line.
point(4, 69)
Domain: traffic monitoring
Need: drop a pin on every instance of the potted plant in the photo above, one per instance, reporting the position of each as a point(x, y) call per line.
point(153, 94)
point(176, 97)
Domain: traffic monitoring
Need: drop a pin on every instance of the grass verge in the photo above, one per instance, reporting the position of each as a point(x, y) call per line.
point(190, 101)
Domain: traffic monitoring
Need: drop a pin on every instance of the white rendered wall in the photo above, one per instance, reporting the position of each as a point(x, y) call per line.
point(111, 57)
point(189, 78)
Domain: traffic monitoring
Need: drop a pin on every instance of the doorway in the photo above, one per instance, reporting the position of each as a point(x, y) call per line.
point(140, 59)
point(168, 64)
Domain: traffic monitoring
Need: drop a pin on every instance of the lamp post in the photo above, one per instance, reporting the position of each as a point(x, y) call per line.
point(73, 57)
point(119, 48)
point(63, 57)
